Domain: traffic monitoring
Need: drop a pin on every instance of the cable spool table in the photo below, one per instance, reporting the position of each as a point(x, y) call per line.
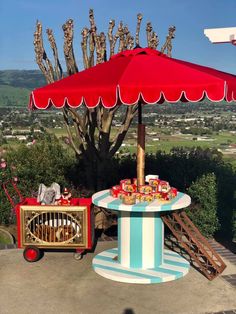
point(140, 256)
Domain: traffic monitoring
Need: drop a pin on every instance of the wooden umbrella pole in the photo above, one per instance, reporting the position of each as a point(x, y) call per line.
point(141, 155)
point(140, 148)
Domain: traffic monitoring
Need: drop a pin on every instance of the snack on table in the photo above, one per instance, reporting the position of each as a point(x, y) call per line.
point(146, 198)
point(115, 190)
point(165, 196)
point(163, 186)
point(122, 193)
point(151, 176)
point(131, 194)
point(131, 188)
point(124, 182)
point(129, 199)
point(157, 195)
point(146, 189)
point(154, 182)
point(137, 196)
point(172, 193)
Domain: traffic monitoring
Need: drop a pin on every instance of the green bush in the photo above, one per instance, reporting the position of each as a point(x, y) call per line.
point(47, 161)
point(44, 162)
point(182, 166)
point(203, 210)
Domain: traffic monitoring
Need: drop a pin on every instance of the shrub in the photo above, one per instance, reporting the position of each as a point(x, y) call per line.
point(44, 162)
point(203, 210)
point(182, 166)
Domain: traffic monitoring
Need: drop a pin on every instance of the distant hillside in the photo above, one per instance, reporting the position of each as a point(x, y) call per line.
point(15, 86)
point(13, 96)
point(29, 79)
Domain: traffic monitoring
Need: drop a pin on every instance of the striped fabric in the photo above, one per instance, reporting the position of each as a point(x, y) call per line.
point(173, 267)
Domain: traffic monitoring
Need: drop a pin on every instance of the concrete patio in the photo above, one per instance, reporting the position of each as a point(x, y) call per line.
point(59, 284)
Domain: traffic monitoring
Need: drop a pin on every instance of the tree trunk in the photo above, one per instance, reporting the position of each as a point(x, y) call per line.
point(104, 174)
point(87, 171)
point(97, 172)
point(90, 137)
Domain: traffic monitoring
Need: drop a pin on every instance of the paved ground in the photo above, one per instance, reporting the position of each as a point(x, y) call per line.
point(229, 257)
point(59, 284)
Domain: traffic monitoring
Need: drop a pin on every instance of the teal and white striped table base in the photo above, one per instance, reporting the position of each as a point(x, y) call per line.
point(140, 256)
point(173, 267)
point(140, 239)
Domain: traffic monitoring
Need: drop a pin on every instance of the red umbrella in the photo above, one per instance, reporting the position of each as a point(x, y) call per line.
point(137, 76)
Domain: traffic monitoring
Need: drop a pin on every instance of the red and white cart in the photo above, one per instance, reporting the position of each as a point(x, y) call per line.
point(43, 227)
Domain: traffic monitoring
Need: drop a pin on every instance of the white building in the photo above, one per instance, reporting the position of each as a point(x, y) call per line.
point(221, 35)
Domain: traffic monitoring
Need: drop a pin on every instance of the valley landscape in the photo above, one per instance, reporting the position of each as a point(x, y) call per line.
point(206, 125)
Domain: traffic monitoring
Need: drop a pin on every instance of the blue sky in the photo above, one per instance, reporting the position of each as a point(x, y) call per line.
point(18, 18)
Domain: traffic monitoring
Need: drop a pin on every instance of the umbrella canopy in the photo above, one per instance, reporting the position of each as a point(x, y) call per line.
point(137, 76)
point(144, 75)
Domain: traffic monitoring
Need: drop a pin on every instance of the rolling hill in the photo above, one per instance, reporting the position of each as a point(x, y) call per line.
point(15, 86)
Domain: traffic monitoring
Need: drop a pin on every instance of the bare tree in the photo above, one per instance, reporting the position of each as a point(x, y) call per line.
point(91, 137)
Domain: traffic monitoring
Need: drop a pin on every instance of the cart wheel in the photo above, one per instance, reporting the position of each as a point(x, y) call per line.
point(78, 256)
point(32, 254)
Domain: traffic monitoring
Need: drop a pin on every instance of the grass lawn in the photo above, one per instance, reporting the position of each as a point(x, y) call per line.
point(165, 143)
point(58, 132)
point(5, 237)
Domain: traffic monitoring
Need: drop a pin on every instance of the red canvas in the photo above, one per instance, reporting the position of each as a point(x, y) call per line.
point(133, 75)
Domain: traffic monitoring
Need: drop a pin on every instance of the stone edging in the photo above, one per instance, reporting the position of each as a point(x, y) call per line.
point(8, 246)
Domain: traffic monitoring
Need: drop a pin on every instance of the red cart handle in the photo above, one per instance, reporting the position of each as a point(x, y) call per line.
point(5, 188)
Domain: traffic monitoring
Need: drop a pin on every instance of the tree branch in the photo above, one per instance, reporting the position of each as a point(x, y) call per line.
point(154, 41)
point(92, 34)
point(127, 37)
point(121, 35)
point(139, 20)
point(103, 47)
point(130, 43)
point(116, 143)
point(110, 37)
point(168, 44)
point(99, 117)
point(98, 49)
point(80, 120)
point(41, 56)
point(57, 66)
point(115, 38)
point(92, 124)
point(74, 146)
point(148, 33)
point(85, 33)
point(68, 47)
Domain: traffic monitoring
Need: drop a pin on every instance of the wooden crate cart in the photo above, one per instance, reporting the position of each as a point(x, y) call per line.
point(43, 227)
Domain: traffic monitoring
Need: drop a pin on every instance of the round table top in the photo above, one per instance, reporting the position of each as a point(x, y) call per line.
point(105, 200)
